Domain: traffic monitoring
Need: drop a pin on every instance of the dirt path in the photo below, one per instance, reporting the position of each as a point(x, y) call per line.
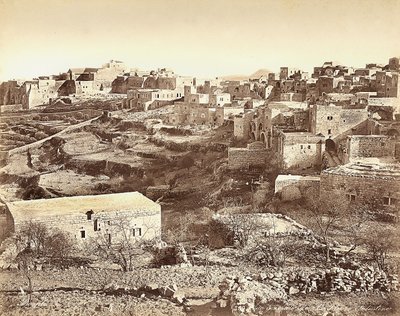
point(40, 142)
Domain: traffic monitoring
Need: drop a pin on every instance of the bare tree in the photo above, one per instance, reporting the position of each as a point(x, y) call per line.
point(25, 261)
point(239, 227)
point(34, 236)
point(356, 225)
point(125, 245)
point(272, 249)
point(325, 216)
point(381, 241)
point(43, 242)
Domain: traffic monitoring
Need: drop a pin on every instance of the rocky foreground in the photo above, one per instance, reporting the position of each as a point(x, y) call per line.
point(199, 290)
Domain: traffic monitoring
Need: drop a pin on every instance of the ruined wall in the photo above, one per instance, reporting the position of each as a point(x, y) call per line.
point(254, 155)
point(10, 93)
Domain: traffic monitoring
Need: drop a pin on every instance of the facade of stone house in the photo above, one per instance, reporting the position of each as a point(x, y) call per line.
point(364, 182)
point(146, 99)
point(92, 216)
point(335, 122)
point(254, 155)
point(299, 150)
point(360, 147)
point(241, 125)
point(387, 84)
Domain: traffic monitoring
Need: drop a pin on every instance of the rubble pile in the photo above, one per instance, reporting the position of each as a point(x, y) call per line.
point(244, 295)
point(171, 255)
point(169, 292)
point(333, 280)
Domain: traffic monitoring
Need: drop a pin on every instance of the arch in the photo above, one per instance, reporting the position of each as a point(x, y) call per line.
point(330, 145)
point(269, 140)
point(263, 138)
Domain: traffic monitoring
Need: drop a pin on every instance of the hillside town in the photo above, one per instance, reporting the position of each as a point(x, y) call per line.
point(144, 192)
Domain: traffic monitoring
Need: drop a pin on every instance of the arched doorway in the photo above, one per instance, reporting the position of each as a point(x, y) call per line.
point(269, 140)
point(330, 145)
point(263, 138)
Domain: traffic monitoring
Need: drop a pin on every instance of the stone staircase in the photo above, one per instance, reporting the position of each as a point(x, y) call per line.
point(332, 159)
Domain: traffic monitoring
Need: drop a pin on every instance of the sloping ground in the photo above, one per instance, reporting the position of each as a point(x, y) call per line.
point(83, 143)
point(68, 182)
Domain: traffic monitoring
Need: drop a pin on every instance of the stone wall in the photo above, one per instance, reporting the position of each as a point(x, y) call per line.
point(363, 187)
point(102, 223)
point(366, 146)
point(300, 150)
point(301, 182)
point(255, 155)
point(333, 121)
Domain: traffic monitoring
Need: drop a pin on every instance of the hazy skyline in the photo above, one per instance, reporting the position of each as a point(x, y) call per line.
point(199, 38)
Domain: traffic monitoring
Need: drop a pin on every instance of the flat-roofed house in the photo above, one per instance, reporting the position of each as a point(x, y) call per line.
point(84, 217)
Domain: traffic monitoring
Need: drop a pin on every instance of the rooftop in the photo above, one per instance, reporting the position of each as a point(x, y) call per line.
point(32, 209)
point(367, 170)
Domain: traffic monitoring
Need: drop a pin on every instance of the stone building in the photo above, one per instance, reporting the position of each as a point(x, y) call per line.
point(287, 72)
point(255, 155)
point(242, 125)
point(299, 150)
point(11, 92)
point(336, 123)
point(254, 125)
point(147, 99)
point(293, 187)
point(361, 147)
point(85, 217)
point(196, 114)
point(394, 64)
point(124, 83)
point(365, 183)
point(387, 84)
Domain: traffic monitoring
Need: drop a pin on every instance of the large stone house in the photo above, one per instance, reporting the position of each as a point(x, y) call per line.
point(86, 217)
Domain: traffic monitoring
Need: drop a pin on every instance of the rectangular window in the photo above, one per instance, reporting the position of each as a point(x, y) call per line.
point(389, 201)
point(329, 131)
point(136, 232)
point(83, 234)
point(309, 146)
point(386, 200)
point(96, 225)
point(351, 197)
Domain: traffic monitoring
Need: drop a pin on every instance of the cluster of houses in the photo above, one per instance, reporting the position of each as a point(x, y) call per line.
point(25, 95)
point(337, 130)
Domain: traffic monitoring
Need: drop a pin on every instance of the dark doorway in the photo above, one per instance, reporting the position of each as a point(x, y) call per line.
point(330, 145)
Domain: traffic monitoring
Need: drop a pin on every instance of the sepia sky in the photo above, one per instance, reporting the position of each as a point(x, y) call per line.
point(204, 38)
